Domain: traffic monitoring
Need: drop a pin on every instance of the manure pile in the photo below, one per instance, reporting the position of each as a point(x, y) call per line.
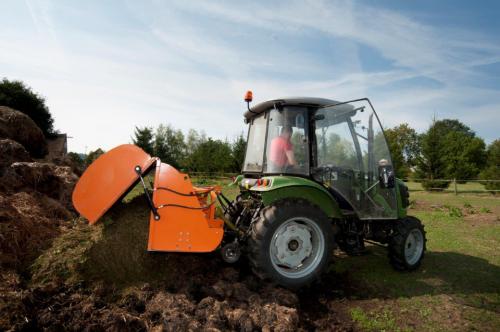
point(35, 207)
point(102, 277)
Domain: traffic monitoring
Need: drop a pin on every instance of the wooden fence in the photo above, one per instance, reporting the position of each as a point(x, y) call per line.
point(455, 186)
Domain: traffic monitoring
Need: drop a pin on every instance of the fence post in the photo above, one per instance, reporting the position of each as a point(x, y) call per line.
point(455, 186)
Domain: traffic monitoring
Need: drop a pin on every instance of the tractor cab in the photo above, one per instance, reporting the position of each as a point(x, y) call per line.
point(340, 145)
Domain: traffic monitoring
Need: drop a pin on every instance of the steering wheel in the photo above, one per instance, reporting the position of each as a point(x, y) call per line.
point(297, 168)
point(330, 168)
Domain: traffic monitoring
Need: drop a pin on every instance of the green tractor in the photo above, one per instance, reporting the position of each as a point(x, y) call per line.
point(317, 175)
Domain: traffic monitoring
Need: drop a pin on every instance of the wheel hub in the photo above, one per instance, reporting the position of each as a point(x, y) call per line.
point(414, 246)
point(293, 245)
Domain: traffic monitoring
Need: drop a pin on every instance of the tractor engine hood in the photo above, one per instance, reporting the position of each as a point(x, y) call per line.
point(108, 179)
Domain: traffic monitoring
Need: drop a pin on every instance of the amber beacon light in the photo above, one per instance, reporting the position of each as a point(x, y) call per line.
point(248, 96)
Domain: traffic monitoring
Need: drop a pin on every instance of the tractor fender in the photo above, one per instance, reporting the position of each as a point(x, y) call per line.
point(403, 198)
point(275, 188)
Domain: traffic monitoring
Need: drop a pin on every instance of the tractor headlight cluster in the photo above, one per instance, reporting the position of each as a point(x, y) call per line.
point(263, 182)
point(250, 183)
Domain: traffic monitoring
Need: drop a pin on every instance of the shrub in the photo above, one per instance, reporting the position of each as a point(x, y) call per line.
point(434, 185)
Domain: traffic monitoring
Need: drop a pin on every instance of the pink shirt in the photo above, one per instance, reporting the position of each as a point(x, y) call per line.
point(278, 149)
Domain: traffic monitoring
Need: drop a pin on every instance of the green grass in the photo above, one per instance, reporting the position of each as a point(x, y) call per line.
point(468, 187)
point(460, 272)
point(475, 200)
point(374, 320)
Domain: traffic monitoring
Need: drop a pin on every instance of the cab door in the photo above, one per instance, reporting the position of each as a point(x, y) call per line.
point(352, 157)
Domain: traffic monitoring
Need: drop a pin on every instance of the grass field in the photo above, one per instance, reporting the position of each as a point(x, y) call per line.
point(458, 285)
point(456, 288)
point(468, 187)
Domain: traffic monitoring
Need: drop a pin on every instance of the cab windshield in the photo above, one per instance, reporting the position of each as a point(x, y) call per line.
point(287, 149)
point(254, 156)
point(277, 142)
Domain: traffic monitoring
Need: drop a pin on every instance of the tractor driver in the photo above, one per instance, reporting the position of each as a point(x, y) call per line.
point(281, 150)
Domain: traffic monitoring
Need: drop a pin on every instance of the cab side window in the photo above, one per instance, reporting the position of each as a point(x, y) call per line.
point(335, 145)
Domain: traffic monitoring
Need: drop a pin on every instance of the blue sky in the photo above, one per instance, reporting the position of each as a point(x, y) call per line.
point(106, 66)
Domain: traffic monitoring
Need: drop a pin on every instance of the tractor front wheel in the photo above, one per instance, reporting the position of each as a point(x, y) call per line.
point(407, 244)
point(291, 243)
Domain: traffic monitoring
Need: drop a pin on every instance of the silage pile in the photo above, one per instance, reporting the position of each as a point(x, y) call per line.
point(34, 204)
point(102, 277)
point(35, 196)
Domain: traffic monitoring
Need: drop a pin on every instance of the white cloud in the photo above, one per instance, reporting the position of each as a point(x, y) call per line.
point(189, 64)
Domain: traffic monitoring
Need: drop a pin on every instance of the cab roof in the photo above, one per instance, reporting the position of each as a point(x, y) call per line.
point(296, 101)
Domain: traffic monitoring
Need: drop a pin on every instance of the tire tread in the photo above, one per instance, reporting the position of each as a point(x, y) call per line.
point(396, 244)
point(268, 218)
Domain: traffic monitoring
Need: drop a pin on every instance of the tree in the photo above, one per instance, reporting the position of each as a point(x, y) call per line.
point(492, 170)
point(193, 141)
point(238, 153)
point(143, 138)
point(404, 145)
point(337, 150)
point(78, 161)
point(93, 155)
point(169, 145)
point(17, 95)
point(445, 126)
point(450, 150)
point(430, 164)
point(212, 156)
point(463, 155)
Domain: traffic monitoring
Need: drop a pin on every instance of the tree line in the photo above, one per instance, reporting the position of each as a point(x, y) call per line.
point(448, 150)
point(192, 152)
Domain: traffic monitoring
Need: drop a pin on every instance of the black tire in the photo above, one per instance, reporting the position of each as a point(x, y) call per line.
point(403, 229)
point(288, 212)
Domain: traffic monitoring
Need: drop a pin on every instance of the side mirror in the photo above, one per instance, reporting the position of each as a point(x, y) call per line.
point(386, 176)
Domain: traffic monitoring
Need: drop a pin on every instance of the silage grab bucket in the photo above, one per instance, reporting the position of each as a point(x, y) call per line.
point(182, 216)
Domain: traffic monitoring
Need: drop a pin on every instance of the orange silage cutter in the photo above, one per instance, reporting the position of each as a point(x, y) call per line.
point(182, 216)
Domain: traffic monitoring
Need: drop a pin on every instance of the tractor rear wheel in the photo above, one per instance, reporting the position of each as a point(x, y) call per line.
point(291, 243)
point(407, 244)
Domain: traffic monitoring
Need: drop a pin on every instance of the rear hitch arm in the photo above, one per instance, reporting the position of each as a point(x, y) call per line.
point(225, 204)
point(154, 210)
